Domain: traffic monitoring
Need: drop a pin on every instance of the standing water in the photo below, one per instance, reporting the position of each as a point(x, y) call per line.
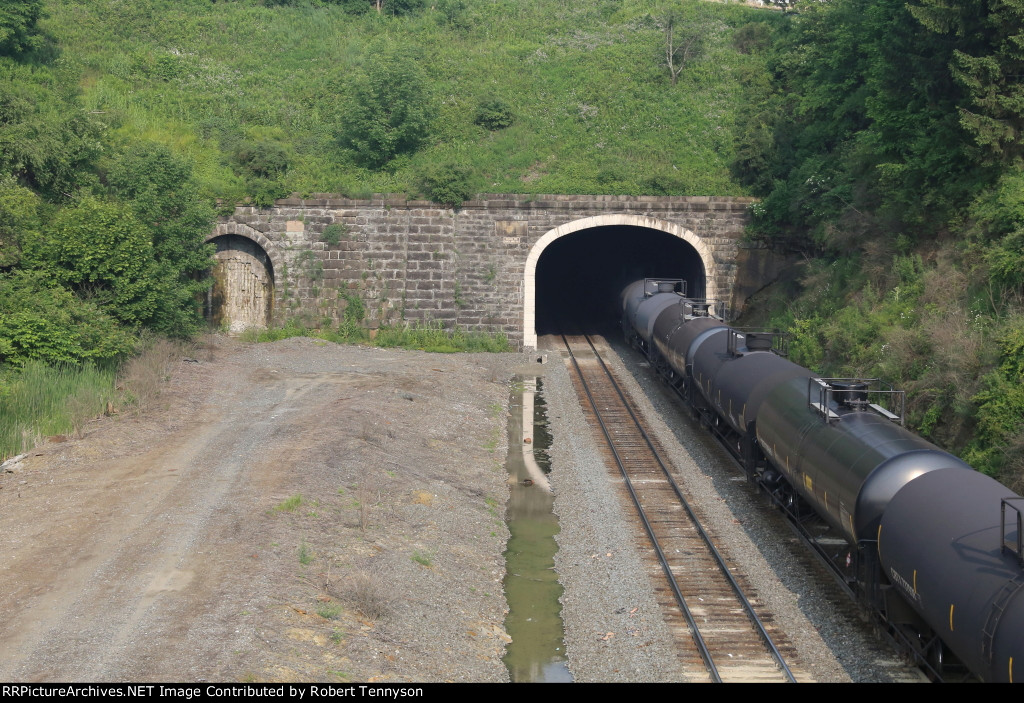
point(534, 620)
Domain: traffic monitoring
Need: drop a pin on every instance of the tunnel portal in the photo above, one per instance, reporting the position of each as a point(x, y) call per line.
point(242, 295)
point(579, 276)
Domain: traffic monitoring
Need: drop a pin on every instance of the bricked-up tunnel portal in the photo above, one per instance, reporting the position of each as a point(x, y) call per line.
point(579, 275)
point(242, 295)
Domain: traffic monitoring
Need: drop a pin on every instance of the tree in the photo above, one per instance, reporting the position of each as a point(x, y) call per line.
point(19, 217)
point(42, 320)
point(47, 141)
point(687, 34)
point(162, 194)
point(390, 108)
point(99, 249)
point(18, 26)
point(988, 62)
point(397, 7)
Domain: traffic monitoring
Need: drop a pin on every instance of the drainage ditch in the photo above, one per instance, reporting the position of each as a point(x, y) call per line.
point(534, 621)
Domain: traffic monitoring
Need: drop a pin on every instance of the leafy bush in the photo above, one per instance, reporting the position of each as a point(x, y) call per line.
point(752, 37)
point(398, 8)
point(494, 114)
point(333, 233)
point(390, 110)
point(453, 13)
point(45, 322)
point(18, 26)
point(19, 216)
point(162, 193)
point(448, 183)
point(101, 251)
point(263, 159)
point(999, 438)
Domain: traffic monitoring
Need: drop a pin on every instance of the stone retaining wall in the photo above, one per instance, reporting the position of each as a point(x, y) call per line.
point(472, 267)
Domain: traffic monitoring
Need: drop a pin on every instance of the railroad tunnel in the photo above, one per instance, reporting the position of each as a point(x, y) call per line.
point(242, 295)
point(579, 274)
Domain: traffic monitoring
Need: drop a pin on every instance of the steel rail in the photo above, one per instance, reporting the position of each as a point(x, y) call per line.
point(694, 630)
point(719, 559)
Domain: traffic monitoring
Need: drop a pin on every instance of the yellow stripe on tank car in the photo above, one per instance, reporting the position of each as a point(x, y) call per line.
point(1011, 669)
point(951, 606)
point(809, 483)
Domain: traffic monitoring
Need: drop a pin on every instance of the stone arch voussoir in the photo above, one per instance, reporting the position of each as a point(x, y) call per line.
point(226, 228)
point(530, 272)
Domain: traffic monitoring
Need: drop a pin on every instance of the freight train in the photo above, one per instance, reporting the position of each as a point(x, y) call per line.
point(930, 545)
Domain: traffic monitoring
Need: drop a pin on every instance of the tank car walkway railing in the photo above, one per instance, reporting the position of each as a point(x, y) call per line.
point(730, 637)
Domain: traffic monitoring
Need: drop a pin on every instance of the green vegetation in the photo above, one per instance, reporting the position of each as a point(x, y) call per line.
point(42, 400)
point(331, 610)
point(289, 505)
point(18, 26)
point(887, 148)
point(884, 137)
point(268, 98)
point(425, 337)
point(122, 123)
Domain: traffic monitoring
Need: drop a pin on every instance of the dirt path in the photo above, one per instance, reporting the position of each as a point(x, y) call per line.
point(294, 511)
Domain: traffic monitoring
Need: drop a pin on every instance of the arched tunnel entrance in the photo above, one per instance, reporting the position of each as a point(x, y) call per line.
point(242, 295)
point(580, 275)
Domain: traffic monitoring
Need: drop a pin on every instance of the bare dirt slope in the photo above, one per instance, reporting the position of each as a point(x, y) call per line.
point(290, 511)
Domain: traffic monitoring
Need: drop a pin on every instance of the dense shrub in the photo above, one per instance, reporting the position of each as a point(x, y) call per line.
point(448, 183)
point(19, 31)
point(45, 322)
point(494, 114)
point(390, 110)
point(99, 249)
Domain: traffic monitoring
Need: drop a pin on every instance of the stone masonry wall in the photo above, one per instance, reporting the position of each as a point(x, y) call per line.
point(416, 260)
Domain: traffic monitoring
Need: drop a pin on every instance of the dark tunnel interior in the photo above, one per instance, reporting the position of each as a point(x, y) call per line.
point(579, 276)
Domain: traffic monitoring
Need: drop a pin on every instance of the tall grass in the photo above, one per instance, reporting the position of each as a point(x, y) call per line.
point(425, 337)
point(39, 400)
point(434, 338)
point(582, 77)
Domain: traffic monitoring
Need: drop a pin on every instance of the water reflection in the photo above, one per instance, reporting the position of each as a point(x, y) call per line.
point(534, 621)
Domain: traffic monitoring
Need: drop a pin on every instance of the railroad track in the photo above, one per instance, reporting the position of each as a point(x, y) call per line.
point(719, 634)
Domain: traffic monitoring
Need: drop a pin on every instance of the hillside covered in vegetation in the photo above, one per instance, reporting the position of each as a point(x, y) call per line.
point(884, 138)
point(887, 147)
point(525, 96)
point(124, 126)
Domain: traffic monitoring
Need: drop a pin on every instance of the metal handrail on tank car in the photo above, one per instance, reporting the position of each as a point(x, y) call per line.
point(1013, 547)
point(680, 282)
point(841, 392)
point(779, 340)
